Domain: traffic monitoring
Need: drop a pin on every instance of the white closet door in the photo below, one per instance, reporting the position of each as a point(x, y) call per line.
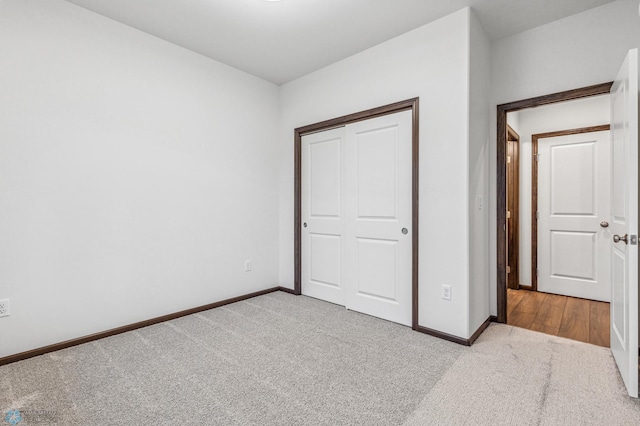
point(323, 215)
point(378, 242)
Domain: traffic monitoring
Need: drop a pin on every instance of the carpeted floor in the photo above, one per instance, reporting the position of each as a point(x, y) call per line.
point(279, 359)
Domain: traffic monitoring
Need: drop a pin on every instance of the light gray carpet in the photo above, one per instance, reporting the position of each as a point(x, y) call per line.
point(279, 359)
point(513, 376)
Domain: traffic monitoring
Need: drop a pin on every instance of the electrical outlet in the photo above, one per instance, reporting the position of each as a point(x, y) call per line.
point(446, 292)
point(4, 308)
point(247, 265)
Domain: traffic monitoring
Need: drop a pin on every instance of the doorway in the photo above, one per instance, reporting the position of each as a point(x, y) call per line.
point(410, 106)
point(565, 196)
point(624, 104)
point(502, 182)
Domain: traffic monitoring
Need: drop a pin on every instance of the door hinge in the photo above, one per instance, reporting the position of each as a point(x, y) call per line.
point(537, 157)
point(508, 214)
point(508, 269)
point(508, 159)
point(537, 272)
point(633, 240)
point(537, 215)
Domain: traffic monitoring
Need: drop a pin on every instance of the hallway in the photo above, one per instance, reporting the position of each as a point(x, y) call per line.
point(569, 317)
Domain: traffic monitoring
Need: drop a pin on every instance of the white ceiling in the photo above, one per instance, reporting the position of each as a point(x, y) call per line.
point(281, 41)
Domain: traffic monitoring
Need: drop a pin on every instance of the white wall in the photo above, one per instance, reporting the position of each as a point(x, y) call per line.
point(479, 77)
point(513, 119)
point(581, 50)
point(135, 176)
point(586, 112)
point(141, 175)
point(430, 62)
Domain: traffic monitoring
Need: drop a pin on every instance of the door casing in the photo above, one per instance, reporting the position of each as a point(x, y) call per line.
point(513, 205)
point(501, 176)
point(409, 104)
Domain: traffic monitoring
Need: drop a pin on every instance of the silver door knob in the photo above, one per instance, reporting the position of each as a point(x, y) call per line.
point(618, 238)
point(304, 224)
point(405, 231)
point(604, 224)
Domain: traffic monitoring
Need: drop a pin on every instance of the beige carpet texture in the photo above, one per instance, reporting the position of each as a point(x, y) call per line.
point(280, 359)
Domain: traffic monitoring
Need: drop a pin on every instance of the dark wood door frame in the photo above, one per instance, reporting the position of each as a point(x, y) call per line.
point(513, 206)
point(409, 104)
point(501, 175)
point(534, 189)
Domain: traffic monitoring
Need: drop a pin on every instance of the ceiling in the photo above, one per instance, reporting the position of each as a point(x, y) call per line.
point(280, 41)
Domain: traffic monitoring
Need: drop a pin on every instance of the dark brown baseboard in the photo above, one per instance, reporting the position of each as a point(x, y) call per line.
point(101, 335)
point(441, 335)
point(455, 339)
point(479, 331)
point(119, 330)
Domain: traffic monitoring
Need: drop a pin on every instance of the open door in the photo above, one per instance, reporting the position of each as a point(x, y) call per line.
point(624, 218)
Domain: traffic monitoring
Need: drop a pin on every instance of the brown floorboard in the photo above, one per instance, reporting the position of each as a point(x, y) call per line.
point(569, 317)
point(550, 312)
point(531, 301)
point(575, 320)
point(599, 318)
point(521, 319)
point(547, 329)
point(575, 330)
point(579, 309)
point(514, 299)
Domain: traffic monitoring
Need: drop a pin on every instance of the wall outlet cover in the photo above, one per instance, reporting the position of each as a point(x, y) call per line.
point(4, 308)
point(446, 292)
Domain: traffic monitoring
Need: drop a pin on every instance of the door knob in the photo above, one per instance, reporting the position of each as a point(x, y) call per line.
point(618, 238)
point(304, 224)
point(604, 224)
point(405, 231)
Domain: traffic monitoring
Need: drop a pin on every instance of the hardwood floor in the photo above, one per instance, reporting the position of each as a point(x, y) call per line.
point(577, 319)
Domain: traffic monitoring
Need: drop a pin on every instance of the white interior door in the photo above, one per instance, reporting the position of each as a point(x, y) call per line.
point(378, 214)
point(323, 215)
point(573, 204)
point(624, 212)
